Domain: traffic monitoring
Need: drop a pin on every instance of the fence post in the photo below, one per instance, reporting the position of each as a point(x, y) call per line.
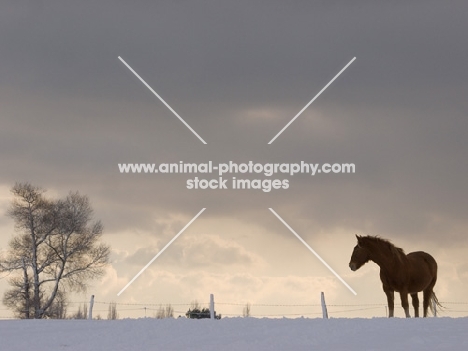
point(212, 310)
point(91, 304)
point(324, 307)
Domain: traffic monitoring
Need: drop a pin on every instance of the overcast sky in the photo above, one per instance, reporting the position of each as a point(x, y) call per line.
point(237, 72)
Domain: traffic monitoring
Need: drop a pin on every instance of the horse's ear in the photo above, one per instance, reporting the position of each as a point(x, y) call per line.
point(358, 239)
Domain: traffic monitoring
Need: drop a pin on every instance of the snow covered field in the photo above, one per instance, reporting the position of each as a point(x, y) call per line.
point(236, 334)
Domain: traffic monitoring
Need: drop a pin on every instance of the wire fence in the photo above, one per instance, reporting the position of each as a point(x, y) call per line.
point(449, 308)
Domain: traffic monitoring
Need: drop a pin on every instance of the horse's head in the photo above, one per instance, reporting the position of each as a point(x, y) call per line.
point(360, 255)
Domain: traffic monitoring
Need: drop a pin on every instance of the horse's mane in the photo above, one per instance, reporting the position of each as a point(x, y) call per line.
point(380, 242)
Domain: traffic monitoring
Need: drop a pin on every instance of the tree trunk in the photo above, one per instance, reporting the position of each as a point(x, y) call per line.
point(26, 290)
point(37, 292)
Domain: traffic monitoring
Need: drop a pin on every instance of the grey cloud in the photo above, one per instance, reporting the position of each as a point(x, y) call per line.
point(71, 111)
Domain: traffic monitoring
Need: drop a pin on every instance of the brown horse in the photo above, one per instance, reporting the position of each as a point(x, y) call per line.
point(406, 274)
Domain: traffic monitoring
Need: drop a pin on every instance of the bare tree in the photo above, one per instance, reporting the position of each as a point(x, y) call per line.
point(165, 312)
point(112, 312)
point(85, 311)
point(82, 313)
point(56, 249)
point(169, 311)
point(19, 298)
point(58, 309)
point(195, 305)
point(246, 310)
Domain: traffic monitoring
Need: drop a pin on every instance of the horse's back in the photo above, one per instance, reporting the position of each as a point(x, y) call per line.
point(424, 257)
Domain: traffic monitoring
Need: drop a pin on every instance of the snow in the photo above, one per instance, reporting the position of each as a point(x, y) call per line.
point(236, 334)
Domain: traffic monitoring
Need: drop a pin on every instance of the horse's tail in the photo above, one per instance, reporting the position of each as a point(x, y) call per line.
point(433, 303)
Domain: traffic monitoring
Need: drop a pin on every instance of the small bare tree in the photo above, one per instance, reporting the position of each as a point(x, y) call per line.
point(112, 312)
point(164, 312)
point(246, 310)
point(82, 312)
point(56, 249)
point(195, 305)
point(169, 311)
point(58, 309)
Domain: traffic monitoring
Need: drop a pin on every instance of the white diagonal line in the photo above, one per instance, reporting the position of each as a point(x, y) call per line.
point(160, 252)
point(312, 250)
point(311, 101)
point(162, 100)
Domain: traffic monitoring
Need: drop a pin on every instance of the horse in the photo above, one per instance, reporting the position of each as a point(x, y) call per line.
point(406, 274)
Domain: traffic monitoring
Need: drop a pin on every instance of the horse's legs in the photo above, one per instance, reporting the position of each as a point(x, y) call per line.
point(390, 296)
point(404, 303)
point(415, 299)
point(427, 296)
